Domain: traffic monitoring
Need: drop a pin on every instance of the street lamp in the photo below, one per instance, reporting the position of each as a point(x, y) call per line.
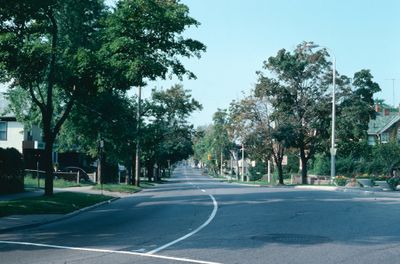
point(333, 147)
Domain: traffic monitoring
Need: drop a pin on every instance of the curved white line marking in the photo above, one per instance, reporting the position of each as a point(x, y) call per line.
point(108, 251)
point(210, 218)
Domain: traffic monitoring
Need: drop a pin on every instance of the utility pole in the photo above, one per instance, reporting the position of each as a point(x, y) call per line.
point(221, 163)
point(137, 159)
point(242, 162)
point(99, 163)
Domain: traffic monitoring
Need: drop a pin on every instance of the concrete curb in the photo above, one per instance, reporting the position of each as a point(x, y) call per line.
point(62, 217)
point(245, 184)
point(320, 188)
point(369, 191)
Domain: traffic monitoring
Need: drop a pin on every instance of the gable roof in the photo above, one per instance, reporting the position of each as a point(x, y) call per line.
point(382, 123)
point(4, 114)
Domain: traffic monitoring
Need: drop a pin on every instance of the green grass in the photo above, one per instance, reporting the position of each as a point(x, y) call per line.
point(123, 188)
point(59, 203)
point(30, 182)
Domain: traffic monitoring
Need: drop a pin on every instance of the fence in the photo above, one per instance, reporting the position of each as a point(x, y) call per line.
point(67, 176)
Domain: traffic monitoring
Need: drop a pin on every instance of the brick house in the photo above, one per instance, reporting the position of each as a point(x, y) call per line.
point(385, 127)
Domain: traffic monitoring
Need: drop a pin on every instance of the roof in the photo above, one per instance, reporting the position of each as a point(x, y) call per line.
point(4, 114)
point(382, 122)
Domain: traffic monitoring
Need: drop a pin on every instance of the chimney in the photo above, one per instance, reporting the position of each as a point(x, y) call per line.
point(378, 108)
point(386, 112)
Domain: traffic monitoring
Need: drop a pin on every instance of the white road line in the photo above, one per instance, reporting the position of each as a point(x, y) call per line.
point(108, 251)
point(203, 190)
point(210, 218)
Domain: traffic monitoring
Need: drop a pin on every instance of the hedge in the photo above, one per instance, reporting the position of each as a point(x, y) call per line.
point(11, 171)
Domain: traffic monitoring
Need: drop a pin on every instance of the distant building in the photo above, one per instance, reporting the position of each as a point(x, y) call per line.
point(385, 127)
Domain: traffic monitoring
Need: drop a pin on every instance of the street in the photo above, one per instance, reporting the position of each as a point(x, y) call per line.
point(195, 219)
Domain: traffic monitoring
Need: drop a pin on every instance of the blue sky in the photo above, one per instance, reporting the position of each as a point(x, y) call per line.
point(241, 34)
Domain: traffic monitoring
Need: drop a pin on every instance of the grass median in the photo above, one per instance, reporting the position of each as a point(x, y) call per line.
point(59, 203)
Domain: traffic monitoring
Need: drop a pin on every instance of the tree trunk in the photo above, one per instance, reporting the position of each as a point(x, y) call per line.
point(133, 162)
point(150, 171)
point(304, 168)
point(157, 177)
point(48, 166)
point(129, 174)
point(280, 172)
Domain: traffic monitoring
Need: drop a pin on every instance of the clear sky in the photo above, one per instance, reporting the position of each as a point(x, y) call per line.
point(241, 34)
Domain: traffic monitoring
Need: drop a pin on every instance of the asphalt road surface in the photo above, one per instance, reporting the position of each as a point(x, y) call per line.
point(195, 219)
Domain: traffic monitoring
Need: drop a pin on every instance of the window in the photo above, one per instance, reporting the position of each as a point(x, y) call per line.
point(385, 137)
point(371, 140)
point(3, 130)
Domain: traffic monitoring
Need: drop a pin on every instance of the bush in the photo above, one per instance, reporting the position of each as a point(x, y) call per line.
point(340, 180)
point(11, 171)
point(393, 182)
point(321, 165)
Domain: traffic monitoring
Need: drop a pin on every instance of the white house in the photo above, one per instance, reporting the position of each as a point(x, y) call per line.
point(13, 135)
point(11, 131)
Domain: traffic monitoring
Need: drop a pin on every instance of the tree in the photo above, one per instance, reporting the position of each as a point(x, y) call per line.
point(167, 134)
point(251, 117)
point(144, 41)
point(355, 111)
point(71, 49)
point(48, 47)
point(108, 116)
point(386, 158)
point(220, 143)
point(297, 83)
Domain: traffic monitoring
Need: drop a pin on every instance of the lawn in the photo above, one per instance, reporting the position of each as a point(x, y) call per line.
point(59, 203)
point(30, 182)
point(123, 187)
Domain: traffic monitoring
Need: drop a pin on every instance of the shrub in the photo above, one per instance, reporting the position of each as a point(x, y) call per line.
point(340, 180)
point(321, 165)
point(393, 182)
point(11, 171)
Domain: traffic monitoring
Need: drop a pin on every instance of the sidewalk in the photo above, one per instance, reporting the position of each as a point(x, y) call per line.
point(14, 222)
point(29, 193)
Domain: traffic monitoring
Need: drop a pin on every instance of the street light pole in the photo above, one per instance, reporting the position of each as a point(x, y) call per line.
point(242, 162)
point(333, 147)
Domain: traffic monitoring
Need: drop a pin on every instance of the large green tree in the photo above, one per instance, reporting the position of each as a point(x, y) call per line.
point(167, 135)
point(144, 40)
point(355, 111)
point(297, 83)
point(48, 48)
point(72, 49)
point(251, 118)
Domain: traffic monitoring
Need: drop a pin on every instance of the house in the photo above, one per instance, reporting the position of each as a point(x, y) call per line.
point(13, 134)
point(385, 127)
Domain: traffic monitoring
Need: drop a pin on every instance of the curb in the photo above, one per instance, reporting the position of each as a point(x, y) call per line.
point(62, 217)
point(326, 188)
point(320, 188)
point(245, 184)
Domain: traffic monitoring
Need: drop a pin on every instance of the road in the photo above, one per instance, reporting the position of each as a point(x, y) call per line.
point(195, 219)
